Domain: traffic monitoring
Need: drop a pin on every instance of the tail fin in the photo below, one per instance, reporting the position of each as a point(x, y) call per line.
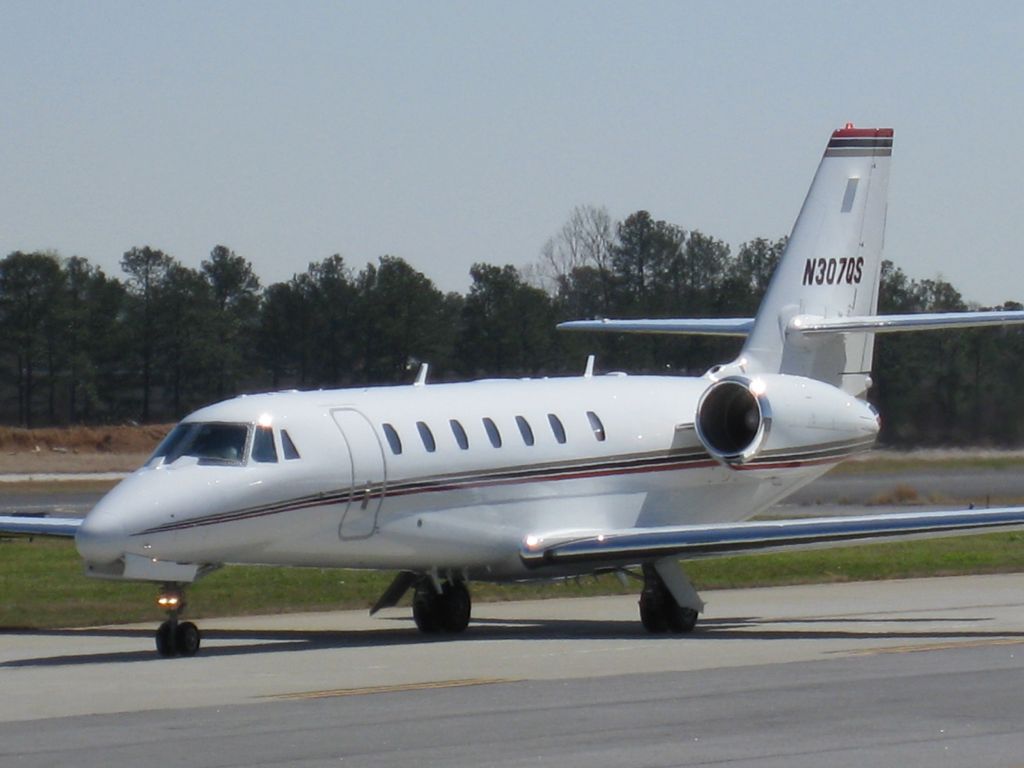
point(818, 318)
point(831, 266)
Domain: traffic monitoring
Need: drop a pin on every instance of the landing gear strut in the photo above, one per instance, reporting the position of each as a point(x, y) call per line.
point(659, 610)
point(174, 638)
point(444, 611)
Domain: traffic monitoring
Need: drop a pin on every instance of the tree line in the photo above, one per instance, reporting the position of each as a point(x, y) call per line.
point(161, 339)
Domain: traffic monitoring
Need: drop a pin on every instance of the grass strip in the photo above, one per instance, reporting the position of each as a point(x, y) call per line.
point(43, 585)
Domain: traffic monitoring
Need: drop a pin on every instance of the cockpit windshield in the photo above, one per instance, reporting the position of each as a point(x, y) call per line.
point(211, 443)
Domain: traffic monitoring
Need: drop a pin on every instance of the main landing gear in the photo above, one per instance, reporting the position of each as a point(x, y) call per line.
point(174, 638)
point(668, 602)
point(437, 606)
point(446, 610)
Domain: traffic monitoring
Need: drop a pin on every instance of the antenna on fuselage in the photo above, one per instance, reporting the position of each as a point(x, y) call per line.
point(589, 372)
point(421, 377)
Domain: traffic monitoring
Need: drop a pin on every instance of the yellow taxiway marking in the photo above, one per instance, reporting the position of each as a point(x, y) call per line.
point(950, 645)
point(424, 686)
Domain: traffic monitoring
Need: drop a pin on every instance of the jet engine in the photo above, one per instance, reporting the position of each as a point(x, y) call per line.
point(781, 417)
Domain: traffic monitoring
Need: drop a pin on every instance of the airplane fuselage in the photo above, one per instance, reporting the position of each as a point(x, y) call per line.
point(444, 476)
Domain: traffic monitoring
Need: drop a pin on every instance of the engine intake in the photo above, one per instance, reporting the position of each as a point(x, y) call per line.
point(779, 417)
point(733, 419)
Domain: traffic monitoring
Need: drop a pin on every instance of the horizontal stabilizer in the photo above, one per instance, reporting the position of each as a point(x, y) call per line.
point(31, 525)
point(928, 321)
point(804, 324)
point(634, 545)
point(722, 326)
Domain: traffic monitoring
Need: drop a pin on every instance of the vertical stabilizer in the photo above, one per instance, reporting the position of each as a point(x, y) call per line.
point(830, 267)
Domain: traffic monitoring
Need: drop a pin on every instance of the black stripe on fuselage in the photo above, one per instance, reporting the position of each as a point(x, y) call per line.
point(621, 465)
point(826, 452)
point(461, 481)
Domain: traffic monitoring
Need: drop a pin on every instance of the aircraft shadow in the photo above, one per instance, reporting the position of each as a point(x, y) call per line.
point(226, 643)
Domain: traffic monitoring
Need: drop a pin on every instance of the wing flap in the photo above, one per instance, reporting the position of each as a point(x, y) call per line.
point(692, 541)
point(30, 525)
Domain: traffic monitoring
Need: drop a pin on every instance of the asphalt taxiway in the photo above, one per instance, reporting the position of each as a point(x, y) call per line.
point(922, 672)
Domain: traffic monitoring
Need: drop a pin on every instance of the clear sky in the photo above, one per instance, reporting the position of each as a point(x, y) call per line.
point(448, 133)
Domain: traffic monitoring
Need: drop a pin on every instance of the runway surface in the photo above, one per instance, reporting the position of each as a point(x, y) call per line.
point(924, 672)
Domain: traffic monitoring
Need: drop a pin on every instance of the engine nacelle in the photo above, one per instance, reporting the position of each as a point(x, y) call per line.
point(781, 418)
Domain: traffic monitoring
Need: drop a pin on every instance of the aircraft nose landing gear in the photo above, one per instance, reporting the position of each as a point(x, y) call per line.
point(174, 638)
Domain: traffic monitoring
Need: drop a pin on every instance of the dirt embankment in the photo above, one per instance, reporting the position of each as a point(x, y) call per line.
point(78, 449)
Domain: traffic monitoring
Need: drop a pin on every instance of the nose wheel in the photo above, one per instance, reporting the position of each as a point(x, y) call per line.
point(173, 637)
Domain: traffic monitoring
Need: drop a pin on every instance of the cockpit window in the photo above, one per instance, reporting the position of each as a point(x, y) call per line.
point(218, 443)
point(290, 451)
point(263, 449)
point(210, 443)
point(172, 442)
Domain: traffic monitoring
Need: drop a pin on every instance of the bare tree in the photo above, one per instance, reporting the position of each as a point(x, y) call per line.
point(587, 239)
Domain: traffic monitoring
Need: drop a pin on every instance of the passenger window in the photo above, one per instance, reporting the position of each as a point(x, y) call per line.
point(426, 436)
point(460, 434)
point(556, 427)
point(492, 432)
point(290, 451)
point(525, 430)
point(596, 425)
point(263, 449)
point(393, 439)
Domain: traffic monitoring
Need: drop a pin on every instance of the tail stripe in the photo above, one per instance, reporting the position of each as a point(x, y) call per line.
point(860, 142)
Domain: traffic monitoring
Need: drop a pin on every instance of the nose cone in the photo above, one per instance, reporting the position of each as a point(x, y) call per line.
point(102, 537)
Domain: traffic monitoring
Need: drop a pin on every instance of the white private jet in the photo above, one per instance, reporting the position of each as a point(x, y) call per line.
point(530, 479)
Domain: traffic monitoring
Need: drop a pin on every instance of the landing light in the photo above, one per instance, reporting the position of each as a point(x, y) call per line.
point(265, 420)
point(758, 387)
point(168, 601)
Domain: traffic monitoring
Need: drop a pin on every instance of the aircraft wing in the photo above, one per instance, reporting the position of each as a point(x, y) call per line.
point(720, 326)
point(32, 525)
point(635, 545)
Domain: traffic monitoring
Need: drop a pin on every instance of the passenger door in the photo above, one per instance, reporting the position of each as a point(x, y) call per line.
point(369, 474)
